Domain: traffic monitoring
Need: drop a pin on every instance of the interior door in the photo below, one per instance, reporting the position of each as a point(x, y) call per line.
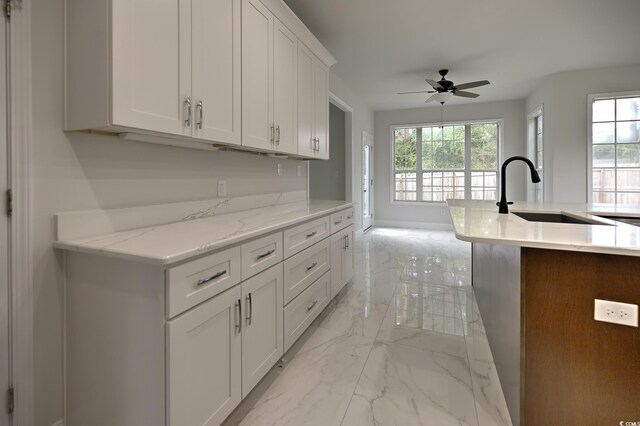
point(4, 225)
point(367, 180)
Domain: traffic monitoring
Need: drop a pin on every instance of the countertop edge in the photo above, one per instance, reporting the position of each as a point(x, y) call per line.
point(197, 251)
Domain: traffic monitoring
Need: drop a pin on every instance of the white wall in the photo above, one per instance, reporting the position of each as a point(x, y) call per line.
point(362, 119)
point(327, 177)
point(513, 143)
point(78, 171)
point(565, 132)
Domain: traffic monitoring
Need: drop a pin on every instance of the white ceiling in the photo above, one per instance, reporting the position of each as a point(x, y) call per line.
point(384, 46)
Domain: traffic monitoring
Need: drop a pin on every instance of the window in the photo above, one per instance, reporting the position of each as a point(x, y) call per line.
point(536, 153)
point(434, 163)
point(615, 148)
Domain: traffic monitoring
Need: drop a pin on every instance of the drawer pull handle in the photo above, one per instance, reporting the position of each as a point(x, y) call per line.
point(249, 310)
point(349, 217)
point(313, 265)
point(239, 317)
point(311, 234)
point(211, 278)
point(338, 221)
point(310, 307)
point(262, 256)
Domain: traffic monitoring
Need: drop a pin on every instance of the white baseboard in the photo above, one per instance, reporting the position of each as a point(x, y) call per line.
point(58, 423)
point(415, 225)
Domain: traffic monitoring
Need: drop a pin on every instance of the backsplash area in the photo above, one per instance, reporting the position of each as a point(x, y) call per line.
point(71, 225)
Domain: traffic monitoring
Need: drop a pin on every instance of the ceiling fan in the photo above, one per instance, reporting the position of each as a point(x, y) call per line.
point(447, 86)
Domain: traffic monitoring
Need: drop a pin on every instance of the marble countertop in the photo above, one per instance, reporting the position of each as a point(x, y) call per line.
point(177, 241)
point(479, 221)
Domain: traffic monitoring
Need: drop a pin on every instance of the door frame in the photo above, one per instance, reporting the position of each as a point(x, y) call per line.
point(19, 168)
point(366, 136)
point(352, 165)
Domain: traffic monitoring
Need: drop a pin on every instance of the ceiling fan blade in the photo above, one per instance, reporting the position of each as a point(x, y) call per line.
point(434, 84)
point(465, 94)
point(420, 91)
point(470, 85)
point(429, 99)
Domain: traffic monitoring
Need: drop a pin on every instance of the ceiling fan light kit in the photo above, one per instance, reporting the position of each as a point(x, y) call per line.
point(443, 89)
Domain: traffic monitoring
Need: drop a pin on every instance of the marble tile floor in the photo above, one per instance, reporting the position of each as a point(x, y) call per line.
point(402, 344)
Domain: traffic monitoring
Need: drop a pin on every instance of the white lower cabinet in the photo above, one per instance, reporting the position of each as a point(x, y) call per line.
point(182, 345)
point(262, 342)
point(221, 349)
point(341, 259)
point(301, 312)
point(204, 362)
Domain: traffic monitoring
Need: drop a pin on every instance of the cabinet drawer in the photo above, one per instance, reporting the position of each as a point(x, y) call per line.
point(302, 236)
point(194, 282)
point(300, 313)
point(342, 219)
point(261, 254)
point(304, 268)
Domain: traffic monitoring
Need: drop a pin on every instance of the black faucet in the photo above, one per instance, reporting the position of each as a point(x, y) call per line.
point(535, 178)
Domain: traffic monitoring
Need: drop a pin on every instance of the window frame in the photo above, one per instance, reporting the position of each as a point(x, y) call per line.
point(591, 98)
point(393, 127)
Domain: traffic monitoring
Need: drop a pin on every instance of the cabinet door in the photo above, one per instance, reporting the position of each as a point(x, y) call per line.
point(262, 340)
point(321, 108)
point(347, 256)
point(216, 70)
point(257, 79)
point(338, 245)
point(285, 48)
point(305, 101)
point(204, 350)
point(151, 70)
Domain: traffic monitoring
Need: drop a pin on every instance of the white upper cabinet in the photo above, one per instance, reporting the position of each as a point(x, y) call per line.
point(216, 70)
point(151, 65)
point(165, 67)
point(196, 73)
point(313, 105)
point(268, 80)
point(285, 47)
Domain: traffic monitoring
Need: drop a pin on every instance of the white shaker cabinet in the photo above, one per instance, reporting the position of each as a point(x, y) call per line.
point(269, 81)
point(216, 70)
point(262, 326)
point(341, 259)
point(313, 105)
point(170, 67)
point(204, 362)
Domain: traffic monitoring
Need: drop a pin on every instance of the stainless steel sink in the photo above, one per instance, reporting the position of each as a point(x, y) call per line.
point(557, 218)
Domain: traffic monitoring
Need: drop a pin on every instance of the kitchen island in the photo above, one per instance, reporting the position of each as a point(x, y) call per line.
point(535, 284)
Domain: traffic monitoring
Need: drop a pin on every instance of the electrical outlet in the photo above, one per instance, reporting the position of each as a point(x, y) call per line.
point(222, 188)
point(279, 169)
point(299, 169)
point(616, 312)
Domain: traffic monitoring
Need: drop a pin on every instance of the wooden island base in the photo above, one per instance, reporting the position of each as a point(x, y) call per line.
point(557, 365)
point(576, 370)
